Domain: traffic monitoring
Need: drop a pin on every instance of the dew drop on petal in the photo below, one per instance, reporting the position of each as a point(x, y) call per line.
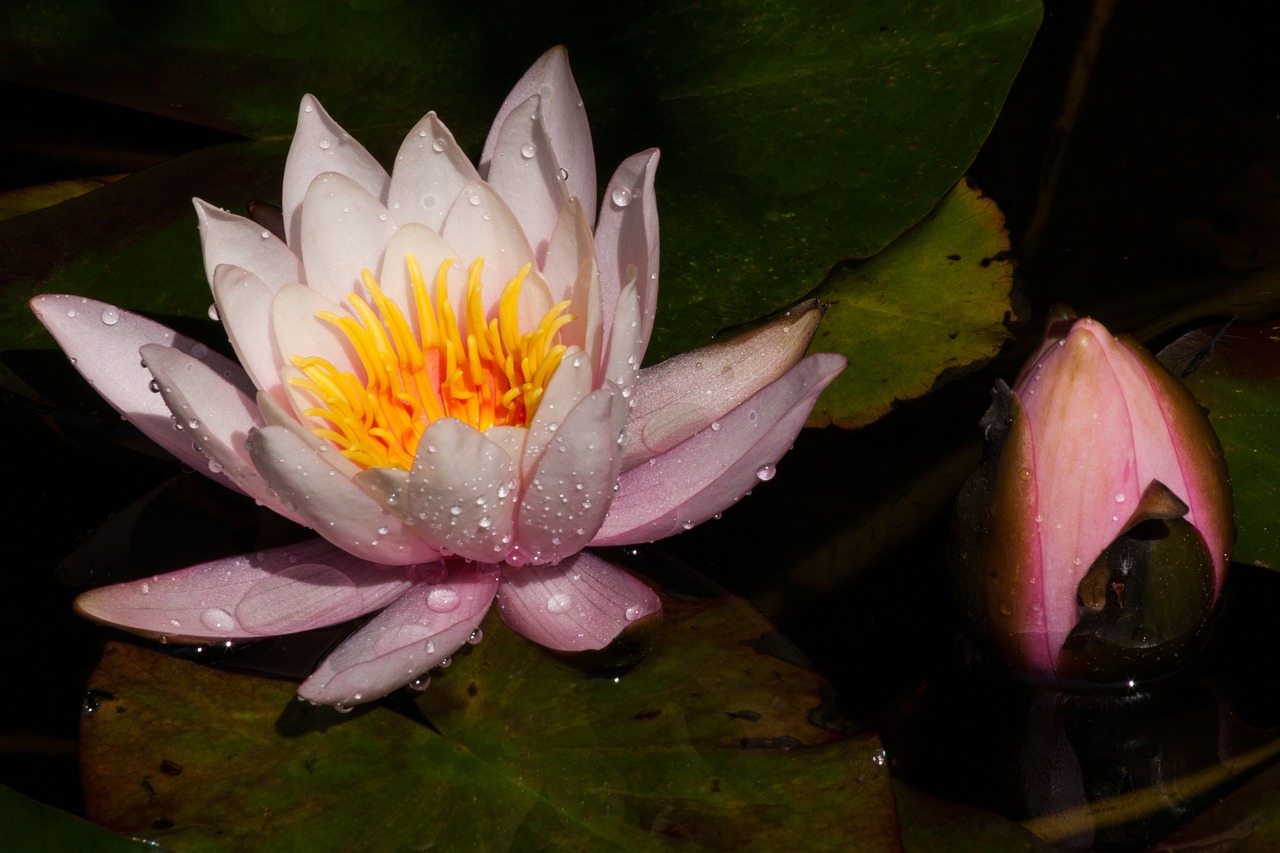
point(438, 145)
point(476, 636)
point(633, 612)
point(217, 619)
point(445, 663)
point(443, 599)
point(765, 473)
point(621, 196)
point(324, 144)
point(528, 150)
point(419, 684)
point(715, 426)
point(558, 603)
point(1120, 497)
point(110, 316)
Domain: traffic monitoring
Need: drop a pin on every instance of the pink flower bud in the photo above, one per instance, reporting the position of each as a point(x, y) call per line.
point(1093, 542)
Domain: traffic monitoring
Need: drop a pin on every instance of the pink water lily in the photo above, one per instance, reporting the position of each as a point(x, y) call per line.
point(1096, 538)
point(439, 373)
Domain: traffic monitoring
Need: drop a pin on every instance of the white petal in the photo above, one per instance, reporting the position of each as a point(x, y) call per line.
point(430, 172)
point(524, 171)
point(231, 239)
point(566, 497)
point(103, 341)
point(622, 363)
point(627, 235)
point(244, 304)
point(337, 508)
point(275, 414)
point(426, 625)
point(298, 331)
point(321, 145)
point(573, 380)
point(344, 230)
point(582, 604)
point(480, 225)
point(294, 588)
point(462, 492)
point(564, 120)
point(430, 250)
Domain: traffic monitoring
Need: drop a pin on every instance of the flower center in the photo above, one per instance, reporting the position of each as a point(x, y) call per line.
point(492, 376)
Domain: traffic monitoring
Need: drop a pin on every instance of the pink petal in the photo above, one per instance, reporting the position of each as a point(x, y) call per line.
point(344, 230)
point(627, 235)
point(480, 225)
point(294, 588)
point(215, 415)
point(571, 245)
point(568, 493)
point(685, 394)
point(299, 331)
point(525, 172)
point(582, 604)
point(321, 145)
point(564, 120)
point(337, 508)
point(244, 304)
point(707, 473)
point(430, 172)
point(621, 365)
point(423, 627)
point(462, 492)
point(231, 239)
point(103, 341)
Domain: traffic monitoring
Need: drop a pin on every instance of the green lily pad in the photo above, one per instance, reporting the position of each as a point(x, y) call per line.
point(1234, 375)
point(793, 135)
point(936, 301)
point(717, 739)
point(33, 827)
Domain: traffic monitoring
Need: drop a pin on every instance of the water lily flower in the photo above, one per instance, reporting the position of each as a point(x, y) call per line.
point(1094, 541)
point(439, 373)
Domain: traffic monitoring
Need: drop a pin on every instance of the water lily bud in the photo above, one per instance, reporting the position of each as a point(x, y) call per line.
point(1093, 542)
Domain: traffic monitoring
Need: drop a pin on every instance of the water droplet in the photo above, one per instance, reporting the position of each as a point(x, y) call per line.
point(382, 531)
point(476, 636)
point(455, 510)
point(473, 198)
point(715, 426)
point(633, 612)
point(71, 312)
point(110, 316)
point(199, 351)
point(1119, 497)
point(217, 619)
point(485, 522)
point(528, 150)
point(564, 175)
point(438, 145)
point(154, 386)
point(621, 196)
point(383, 216)
point(419, 684)
point(765, 473)
point(215, 467)
point(324, 145)
point(343, 709)
point(558, 603)
point(443, 599)
point(308, 108)
point(445, 663)
point(1077, 561)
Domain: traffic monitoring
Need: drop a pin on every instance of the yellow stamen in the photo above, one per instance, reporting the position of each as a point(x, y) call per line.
point(495, 375)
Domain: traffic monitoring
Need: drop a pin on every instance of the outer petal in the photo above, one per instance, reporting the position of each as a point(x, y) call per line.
point(564, 120)
point(705, 474)
point(321, 145)
point(462, 492)
point(426, 625)
point(102, 341)
point(627, 235)
point(430, 172)
point(337, 508)
point(344, 231)
point(231, 239)
point(566, 497)
point(584, 603)
point(685, 394)
point(215, 415)
point(525, 172)
point(294, 588)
